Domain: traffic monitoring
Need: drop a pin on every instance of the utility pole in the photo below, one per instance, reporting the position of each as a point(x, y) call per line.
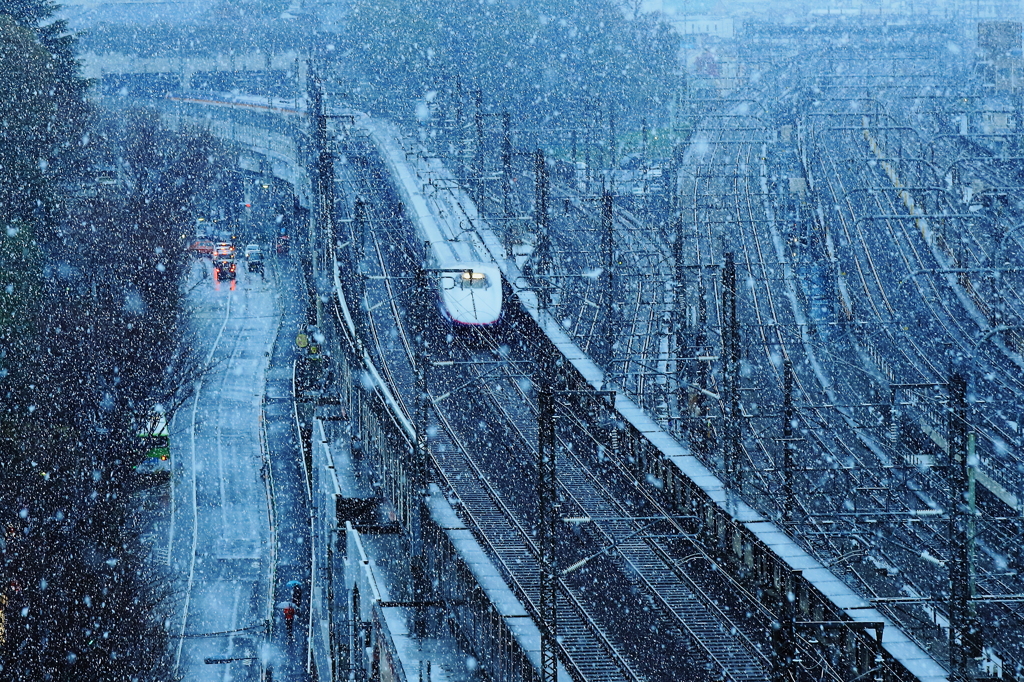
point(419, 586)
point(643, 142)
point(703, 437)
point(672, 199)
point(784, 632)
point(788, 440)
point(323, 223)
point(460, 161)
point(546, 469)
point(546, 506)
point(964, 635)
point(644, 167)
point(731, 375)
point(358, 281)
point(358, 236)
point(543, 253)
point(506, 164)
point(679, 312)
point(478, 120)
point(608, 275)
point(611, 144)
point(590, 153)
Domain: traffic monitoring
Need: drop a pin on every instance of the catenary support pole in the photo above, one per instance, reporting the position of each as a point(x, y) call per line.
point(546, 470)
point(731, 376)
point(506, 164)
point(608, 326)
point(964, 642)
point(543, 252)
point(478, 165)
point(788, 444)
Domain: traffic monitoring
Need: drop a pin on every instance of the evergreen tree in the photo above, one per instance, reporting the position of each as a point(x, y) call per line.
point(38, 16)
point(42, 114)
point(78, 364)
point(25, 79)
point(65, 119)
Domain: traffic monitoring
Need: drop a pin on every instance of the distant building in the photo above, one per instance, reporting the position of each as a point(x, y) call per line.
point(999, 45)
point(990, 9)
point(720, 27)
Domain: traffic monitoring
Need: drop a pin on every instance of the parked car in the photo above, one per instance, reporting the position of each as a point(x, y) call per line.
point(254, 257)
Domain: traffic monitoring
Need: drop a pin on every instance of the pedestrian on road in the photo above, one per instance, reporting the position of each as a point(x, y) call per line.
point(288, 609)
point(296, 588)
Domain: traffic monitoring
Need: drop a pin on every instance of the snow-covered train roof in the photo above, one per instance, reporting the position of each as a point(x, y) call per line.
point(426, 192)
point(469, 280)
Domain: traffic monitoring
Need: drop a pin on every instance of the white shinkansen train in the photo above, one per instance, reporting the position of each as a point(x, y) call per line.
point(469, 288)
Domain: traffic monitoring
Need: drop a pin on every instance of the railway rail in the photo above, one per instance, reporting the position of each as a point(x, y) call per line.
point(499, 518)
point(890, 355)
point(726, 539)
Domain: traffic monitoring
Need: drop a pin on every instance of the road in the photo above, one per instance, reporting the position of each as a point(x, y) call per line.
point(223, 550)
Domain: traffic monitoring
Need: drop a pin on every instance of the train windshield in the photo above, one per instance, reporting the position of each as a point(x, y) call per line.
point(473, 280)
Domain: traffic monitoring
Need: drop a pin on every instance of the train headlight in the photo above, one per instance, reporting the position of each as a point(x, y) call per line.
point(474, 279)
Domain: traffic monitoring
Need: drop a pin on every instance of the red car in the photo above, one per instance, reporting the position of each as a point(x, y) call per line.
point(202, 247)
point(282, 244)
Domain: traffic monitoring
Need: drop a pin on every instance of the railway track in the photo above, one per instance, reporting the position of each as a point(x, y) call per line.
point(648, 320)
point(586, 651)
point(592, 646)
point(756, 258)
point(936, 297)
point(588, 495)
point(647, 355)
point(646, 315)
point(899, 353)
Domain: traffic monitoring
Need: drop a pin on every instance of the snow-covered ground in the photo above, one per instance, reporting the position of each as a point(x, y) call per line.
point(220, 540)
